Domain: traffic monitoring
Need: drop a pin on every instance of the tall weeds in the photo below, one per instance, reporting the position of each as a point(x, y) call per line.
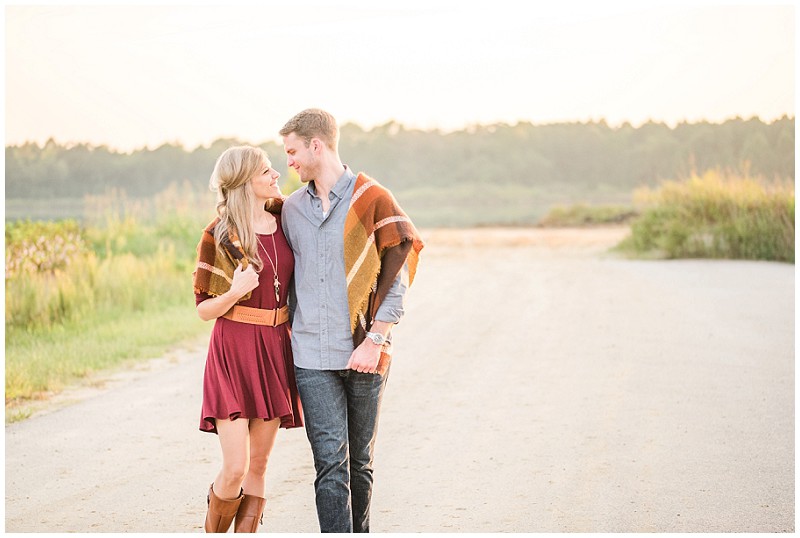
point(716, 216)
point(67, 283)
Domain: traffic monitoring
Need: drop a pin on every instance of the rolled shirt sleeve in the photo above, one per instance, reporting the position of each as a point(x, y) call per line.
point(391, 309)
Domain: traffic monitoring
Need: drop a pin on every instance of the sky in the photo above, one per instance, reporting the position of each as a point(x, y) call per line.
point(131, 76)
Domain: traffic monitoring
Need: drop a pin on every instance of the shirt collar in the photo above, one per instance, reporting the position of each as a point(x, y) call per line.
point(345, 181)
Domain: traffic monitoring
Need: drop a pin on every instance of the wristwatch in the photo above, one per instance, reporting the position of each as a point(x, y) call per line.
point(377, 338)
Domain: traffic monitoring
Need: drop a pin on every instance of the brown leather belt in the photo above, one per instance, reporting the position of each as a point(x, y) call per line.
point(258, 316)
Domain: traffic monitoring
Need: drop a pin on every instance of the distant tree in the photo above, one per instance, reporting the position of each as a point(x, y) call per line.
point(553, 157)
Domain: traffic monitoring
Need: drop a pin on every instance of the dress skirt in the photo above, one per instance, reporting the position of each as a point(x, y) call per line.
point(249, 370)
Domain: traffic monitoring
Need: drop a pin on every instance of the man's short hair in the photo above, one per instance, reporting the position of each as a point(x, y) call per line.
point(313, 123)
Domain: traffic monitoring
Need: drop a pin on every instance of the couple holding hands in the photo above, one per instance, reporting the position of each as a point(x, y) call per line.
point(305, 291)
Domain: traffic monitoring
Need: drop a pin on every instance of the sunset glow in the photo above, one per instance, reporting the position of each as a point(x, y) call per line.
point(129, 76)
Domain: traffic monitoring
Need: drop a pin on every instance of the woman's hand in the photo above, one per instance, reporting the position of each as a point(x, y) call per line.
point(243, 281)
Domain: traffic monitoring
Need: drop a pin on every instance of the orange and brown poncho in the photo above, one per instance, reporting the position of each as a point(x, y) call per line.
point(379, 239)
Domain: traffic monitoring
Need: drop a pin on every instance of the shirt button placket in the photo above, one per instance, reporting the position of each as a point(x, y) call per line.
point(323, 333)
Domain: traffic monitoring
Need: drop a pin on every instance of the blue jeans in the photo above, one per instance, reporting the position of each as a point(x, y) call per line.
point(340, 409)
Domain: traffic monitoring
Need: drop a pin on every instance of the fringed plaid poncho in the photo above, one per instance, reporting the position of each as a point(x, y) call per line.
point(379, 239)
point(213, 273)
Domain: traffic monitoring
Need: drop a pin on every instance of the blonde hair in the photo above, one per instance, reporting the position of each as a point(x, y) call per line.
point(235, 197)
point(314, 123)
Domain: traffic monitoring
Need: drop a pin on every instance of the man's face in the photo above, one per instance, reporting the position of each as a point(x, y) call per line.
point(300, 157)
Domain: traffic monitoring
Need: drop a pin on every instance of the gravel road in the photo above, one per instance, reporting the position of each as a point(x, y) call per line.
point(539, 384)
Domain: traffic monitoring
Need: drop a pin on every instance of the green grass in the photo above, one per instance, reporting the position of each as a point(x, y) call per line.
point(43, 209)
point(90, 294)
point(715, 216)
point(45, 361)
point(42, 364)
point(579, 215)
point(493, 204)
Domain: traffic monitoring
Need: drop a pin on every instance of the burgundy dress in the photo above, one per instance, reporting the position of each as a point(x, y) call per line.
point(249, 369)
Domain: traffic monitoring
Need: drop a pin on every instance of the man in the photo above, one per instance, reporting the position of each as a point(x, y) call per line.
point(355, 254)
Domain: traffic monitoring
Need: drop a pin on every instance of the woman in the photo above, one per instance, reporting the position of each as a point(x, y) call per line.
point(242, 280)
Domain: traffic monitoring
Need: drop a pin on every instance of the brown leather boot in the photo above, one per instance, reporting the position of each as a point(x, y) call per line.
point(220, 511)
point(250, 513)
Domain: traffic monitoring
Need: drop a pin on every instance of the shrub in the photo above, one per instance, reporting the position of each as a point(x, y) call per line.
point(716, 216)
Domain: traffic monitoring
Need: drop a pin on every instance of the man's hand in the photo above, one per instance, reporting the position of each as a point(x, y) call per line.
point(365, 357)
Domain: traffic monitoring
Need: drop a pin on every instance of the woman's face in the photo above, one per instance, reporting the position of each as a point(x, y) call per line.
point(265, 183)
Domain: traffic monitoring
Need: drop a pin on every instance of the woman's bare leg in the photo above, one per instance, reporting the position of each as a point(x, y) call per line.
point(262, 439)
point(234, 439)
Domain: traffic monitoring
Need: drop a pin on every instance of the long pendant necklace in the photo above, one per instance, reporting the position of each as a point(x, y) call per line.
point(275, 282)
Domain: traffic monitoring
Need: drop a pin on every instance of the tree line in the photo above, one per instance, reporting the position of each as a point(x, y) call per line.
point(572, 156)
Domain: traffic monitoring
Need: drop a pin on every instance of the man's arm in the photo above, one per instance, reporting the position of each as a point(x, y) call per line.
point(391, 309)
point(366, 356)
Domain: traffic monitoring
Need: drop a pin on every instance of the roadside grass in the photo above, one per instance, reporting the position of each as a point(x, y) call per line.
point(714, 216)
point(83, 297)
point(40, 363)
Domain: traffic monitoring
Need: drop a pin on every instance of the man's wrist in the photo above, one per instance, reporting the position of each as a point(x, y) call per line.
point(376, 338)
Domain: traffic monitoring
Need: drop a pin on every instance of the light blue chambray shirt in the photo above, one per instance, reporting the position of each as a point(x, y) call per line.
point(321, 337)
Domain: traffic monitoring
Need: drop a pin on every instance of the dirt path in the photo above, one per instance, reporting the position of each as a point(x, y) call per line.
point(539, 385)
